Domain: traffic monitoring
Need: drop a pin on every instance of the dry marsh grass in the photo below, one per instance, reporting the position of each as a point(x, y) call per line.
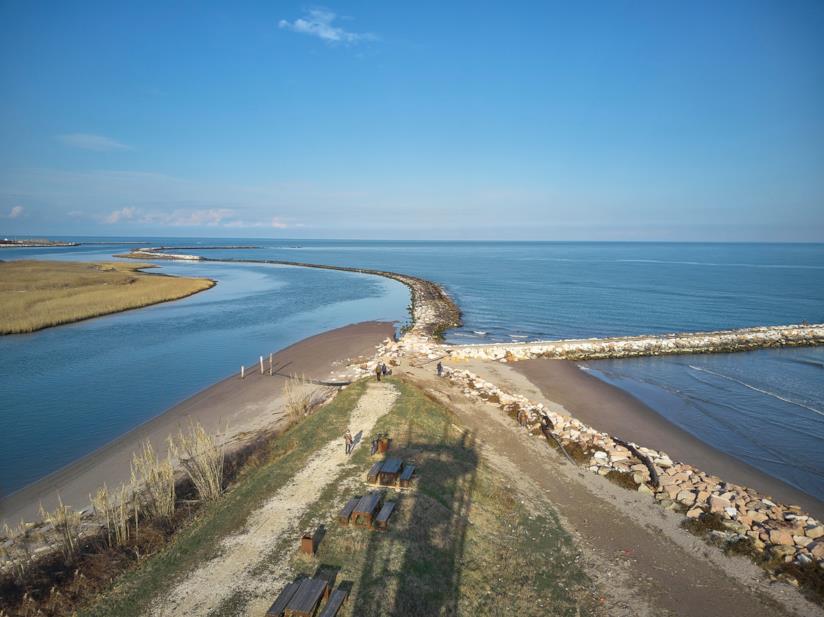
point(39, 294)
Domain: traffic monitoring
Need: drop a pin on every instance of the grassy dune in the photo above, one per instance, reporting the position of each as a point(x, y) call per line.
point(462, 543)
point(39, 294)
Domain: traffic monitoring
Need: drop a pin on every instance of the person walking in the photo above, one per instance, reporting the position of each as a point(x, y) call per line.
point(347, 438)
point(378, 372)
point(440, 369)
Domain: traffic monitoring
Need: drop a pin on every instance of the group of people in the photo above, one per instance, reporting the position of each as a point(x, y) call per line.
point(381, 370)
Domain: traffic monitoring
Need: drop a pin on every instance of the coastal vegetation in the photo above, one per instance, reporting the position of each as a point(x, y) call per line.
point(464, 540)
point(39, 294)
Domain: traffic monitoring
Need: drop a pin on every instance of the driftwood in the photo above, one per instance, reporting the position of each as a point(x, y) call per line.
point(546, 429)
point(653, 475)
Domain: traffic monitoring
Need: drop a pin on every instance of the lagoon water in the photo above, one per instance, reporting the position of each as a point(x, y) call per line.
point(765, 407)
point(67, 391)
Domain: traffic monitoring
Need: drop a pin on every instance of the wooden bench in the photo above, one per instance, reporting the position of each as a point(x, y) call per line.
point(382, 520)
point(279, 605)
point(346, 513)
point(372, 475)
point(406, 476)
point(336, 600)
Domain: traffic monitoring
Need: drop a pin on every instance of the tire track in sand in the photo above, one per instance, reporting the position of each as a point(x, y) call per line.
point(231, 571)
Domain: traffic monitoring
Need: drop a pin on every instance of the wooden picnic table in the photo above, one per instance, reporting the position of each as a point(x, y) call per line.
point(390, 470)
point(307, 597)
point(366, 508)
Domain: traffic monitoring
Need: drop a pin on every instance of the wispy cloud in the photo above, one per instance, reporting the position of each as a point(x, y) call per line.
point(87, 141)
point(124, 214)
point(15, 212)
point(319, 23)
point(188, 217)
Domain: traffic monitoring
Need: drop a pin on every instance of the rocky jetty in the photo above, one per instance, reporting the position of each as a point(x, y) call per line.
point(780, 533)
point(432, 310)
point(721, 341)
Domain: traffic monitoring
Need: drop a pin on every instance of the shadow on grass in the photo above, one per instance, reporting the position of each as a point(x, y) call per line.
point(427, 535)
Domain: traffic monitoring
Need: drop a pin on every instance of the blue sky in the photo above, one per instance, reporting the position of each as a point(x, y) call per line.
point(614, 120)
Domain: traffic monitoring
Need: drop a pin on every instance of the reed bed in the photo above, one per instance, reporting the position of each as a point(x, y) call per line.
point(39, 294)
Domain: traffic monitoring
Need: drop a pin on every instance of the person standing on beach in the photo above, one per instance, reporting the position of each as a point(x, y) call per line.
point(347, 438)
point(378, 372)
point(440, 369)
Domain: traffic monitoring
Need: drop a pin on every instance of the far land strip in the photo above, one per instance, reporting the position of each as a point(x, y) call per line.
point(40, 294)
point(496, 521)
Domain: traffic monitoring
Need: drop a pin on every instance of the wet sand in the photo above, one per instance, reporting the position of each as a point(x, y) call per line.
point(610, 409)
point(245, 406)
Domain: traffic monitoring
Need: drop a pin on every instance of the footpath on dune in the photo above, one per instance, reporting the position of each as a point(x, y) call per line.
point(233, 570)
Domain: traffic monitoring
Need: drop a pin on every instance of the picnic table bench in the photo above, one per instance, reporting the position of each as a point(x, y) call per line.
point(346, 513)
point(382, 520)
point(389, 472)
point(366, 507)
point(279, 605)
point(306, 598)
point(336, 600)
point(406, 476)
point(372, 474)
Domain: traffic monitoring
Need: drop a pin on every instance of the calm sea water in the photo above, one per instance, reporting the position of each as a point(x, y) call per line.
point(764, 407)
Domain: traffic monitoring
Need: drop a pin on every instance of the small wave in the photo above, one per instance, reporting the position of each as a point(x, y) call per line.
point(807, 362)
point(518, 336)
point(751, 387)
point(479, 332)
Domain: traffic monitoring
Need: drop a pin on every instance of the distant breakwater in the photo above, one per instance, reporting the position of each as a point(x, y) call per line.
point(434, 312)
point(721, 341)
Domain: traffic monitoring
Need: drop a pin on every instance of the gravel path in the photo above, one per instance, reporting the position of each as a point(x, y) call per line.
point(232, 571)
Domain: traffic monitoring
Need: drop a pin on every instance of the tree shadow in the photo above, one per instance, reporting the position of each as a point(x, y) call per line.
point(420, 556)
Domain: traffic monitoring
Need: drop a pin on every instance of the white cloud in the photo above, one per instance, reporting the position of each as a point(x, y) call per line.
point(318, 22)
point(15, 212)
point(87, 141)
point(179, 217)
point(278, 224)
point(124, 214)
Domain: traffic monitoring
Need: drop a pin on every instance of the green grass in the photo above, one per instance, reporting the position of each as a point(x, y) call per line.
point(39, 294)
point(462, 542)
point(136, 589)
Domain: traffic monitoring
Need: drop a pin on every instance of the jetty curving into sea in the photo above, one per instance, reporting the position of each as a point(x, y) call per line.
point(434, 312)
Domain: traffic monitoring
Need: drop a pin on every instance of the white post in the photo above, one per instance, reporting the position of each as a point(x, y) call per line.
point(242, 372)
point(270, 365)
point(261, 365)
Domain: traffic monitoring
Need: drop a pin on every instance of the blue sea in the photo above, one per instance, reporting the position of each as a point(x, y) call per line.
point(59, 400)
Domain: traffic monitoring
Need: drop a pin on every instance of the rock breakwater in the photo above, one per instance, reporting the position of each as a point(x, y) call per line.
point(432, 310)
point(722, 341)
point(737, 516)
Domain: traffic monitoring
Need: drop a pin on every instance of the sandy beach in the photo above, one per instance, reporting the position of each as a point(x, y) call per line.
point(612, 410)
point(245, 406)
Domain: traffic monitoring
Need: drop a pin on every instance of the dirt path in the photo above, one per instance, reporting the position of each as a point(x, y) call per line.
point(636, 551)
point(233, 571)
